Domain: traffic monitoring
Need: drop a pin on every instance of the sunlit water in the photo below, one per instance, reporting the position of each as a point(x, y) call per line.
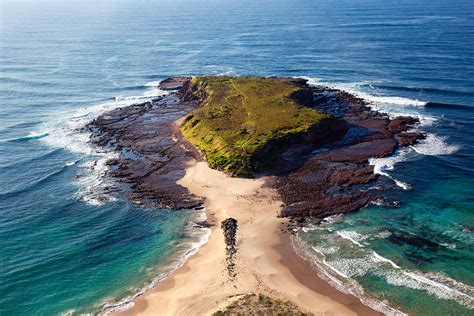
point(63, 247)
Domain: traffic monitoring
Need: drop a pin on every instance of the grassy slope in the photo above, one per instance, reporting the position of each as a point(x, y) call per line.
point(252, 304)
point(245, 118)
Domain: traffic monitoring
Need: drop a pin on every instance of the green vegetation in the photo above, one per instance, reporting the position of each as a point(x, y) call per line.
point(252, 304)
point(245, 122)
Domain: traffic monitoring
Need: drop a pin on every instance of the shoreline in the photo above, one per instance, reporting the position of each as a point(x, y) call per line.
point(127, 302)
point(304, 272)
point(265, 264)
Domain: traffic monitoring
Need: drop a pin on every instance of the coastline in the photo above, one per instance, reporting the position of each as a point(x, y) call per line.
point(266, 263)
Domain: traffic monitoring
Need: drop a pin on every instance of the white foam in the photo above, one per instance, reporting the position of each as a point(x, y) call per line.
point(378, 202)
point(363, 261)
point(332, 268)
point(355, 89)
point(202, 235)
point(382, 165)
point(94, 186)
point(154, 84)
point(432, 145)
point(64, 132)
point(435, 145)
point(36, 135)
point(309, 228)
point(332, 274)
point(419, 281)
point(401, 184)
point(424, 279)
point(379, 258)
point(332, 219)
point(384, 234)
point(352, 236)
point(391, 105)
point(154, 92)
point(390, 100)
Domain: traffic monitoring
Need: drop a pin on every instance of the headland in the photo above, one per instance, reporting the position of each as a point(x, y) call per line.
point(268, 153)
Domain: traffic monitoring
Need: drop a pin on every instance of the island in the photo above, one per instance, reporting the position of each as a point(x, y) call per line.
point(262, 155)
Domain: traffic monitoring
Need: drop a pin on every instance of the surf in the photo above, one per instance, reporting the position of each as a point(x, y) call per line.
point(30, 136)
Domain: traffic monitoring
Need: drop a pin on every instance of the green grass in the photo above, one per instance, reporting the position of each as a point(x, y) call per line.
point(245, 122)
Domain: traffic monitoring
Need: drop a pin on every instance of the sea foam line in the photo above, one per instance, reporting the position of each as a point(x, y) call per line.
point(380, 258)
point(382, 165)
point(352, 236)
point(354, 88)
point(127, 302)
point(323, 270)
point(66, 133)
point(393, 106)
point(370, 262)
point(434, 145)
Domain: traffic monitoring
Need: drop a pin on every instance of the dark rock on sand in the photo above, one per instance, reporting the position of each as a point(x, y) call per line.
point(229, 227)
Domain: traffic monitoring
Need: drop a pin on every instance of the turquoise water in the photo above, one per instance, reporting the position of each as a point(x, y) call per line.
point(429, 243)
point(64, 245)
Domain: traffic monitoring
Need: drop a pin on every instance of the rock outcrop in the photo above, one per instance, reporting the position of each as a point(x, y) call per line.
point(315, 176)
point(152, 156)
point(336, 177)
point(229, 228)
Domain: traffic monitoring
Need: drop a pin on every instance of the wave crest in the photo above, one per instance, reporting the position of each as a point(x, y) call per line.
point(434, 145)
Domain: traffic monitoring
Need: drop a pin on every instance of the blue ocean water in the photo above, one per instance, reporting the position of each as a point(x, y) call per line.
point(64, 247)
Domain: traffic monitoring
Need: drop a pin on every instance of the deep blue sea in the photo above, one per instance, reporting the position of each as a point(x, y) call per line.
point(65, 248)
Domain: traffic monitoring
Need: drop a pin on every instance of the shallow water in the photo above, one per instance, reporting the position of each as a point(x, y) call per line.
point(65, 247)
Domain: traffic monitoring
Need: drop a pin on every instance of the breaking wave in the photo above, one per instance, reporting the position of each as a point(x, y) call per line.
point(338, 276)
point(65, 130)
point(342, 265)
point(30, 136)
point(200, 237)
point(383, 165)
point(433, 145)
point(356, 88)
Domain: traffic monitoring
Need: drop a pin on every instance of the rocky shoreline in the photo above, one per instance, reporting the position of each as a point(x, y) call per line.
point(314, 179)
point(336, 176)
point(151, 159)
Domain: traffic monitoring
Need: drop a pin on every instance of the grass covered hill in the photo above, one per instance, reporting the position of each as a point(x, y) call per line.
point(243, 123)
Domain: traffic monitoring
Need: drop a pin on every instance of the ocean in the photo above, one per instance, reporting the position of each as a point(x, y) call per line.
point(66, 247)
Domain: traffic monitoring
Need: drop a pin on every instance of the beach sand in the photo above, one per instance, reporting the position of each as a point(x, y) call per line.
point(265, 261)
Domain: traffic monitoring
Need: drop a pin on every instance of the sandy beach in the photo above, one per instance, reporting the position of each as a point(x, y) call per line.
point(265, 262)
